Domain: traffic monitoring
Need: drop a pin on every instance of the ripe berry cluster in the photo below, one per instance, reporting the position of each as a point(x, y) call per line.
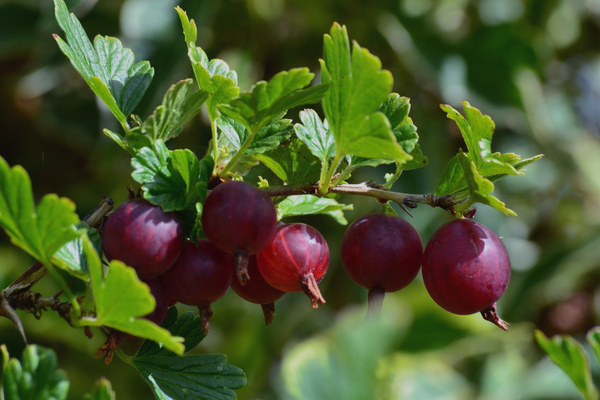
point(465, 265)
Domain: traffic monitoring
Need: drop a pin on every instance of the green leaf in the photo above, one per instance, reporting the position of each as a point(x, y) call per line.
point(477, 131)
point(316, 135)
point(121, 300)
point(293, 163)
point(102, 391)
point(565, 352)
point(480, 188)
point(269, 137)
point(214, 76)
point(39, 231)
point(197, 376)
point(71, 257)
point(267, 100)
point(36, 377)
point(170, 179)
point(296, 205)
point(180, 104)
point(108, 68)
point(593, 338)
point(358, 87)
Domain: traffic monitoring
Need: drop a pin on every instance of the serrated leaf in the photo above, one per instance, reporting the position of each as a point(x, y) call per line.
point(39, 231)
point(477, 131)
point(170, 179)
point(213, 76)
point(358, 88)
point(36, 377)
point(102, 391)
point(293, 163)
point(180, 104)
point(107, 67)
point(565, 352)
point(267, 100)
point(296, 205)
point(191, 377)
point(316, 135)
point(71, 257)
point(480, 188)
point(121, 300)
point(269, 137)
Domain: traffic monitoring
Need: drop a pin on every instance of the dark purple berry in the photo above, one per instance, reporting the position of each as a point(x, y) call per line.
point(240, 220)
point(142, 236)
point(295, 260)
point(258, 291)
point(381, 253)
point(201, 276)
point(466, 269)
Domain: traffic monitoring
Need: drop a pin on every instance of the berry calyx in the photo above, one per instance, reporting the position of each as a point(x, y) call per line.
point(258, 291)
point(142, 236)
point(295, 260)
point(201, 276)
point(240, 220)
point(466, 269)
point(382, 253)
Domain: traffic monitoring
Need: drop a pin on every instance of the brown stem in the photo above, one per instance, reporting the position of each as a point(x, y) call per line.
point(205, 314)
point(17, 295)
point(269, 312)
point(375, 301)
point(366, 189)
point(490, 314)
point(240, 264)
point(311, 288)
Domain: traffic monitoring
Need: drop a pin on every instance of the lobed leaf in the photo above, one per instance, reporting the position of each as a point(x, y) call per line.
point(121, 300)
point(296, 205)
point(213, 76)
point(107, 67)
point(358, 87)
point(267, 138)
point(565, 352)
point(180, 104)
point(316, 135)
point(198, 376)
point(267, 100)
point(293, 163)
point(39, 231)
point(71, 257)
point(174, 179)
point(36, 377)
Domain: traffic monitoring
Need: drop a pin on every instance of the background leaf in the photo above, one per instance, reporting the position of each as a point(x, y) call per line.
point(102, 391)
point(565, 352)
point(36, 377)
point(197, 376)
point(107, 67)
point(39, 231)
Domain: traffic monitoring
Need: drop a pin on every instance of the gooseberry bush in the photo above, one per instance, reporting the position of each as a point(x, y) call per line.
point(199, 225)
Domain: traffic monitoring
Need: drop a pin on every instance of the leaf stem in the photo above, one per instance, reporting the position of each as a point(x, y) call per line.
point(388, 185)
point(238, 154)
point(324, 184)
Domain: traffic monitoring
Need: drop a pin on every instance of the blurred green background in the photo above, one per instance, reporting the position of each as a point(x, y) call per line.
point(533, 66)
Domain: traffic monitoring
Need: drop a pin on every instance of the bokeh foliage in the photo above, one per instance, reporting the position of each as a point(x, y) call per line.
point(532, 65)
